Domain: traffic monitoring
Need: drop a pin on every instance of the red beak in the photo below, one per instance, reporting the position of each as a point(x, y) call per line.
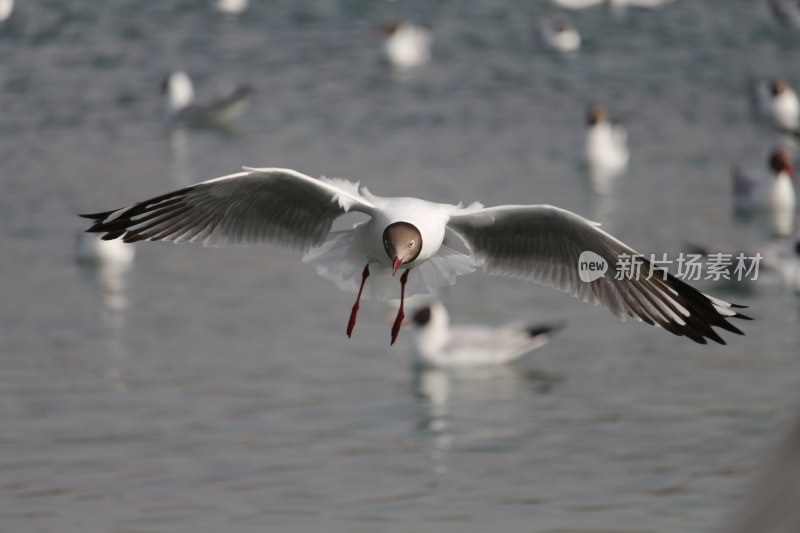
point(395, 265)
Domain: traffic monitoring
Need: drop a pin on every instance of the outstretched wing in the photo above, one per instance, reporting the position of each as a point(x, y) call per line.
point(259, 206)
point(544, 243)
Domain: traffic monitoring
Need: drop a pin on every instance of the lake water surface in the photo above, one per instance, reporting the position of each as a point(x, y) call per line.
point(212, 390)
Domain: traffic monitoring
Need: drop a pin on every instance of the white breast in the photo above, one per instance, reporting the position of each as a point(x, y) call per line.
point(429, 218)
point(780, 203)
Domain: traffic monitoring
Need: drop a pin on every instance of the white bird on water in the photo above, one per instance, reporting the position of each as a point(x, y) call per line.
point(92, 250)
point(231, 7)
point(438, 344)
point(108, 263)
point(560, 35)
point(775, 197)
point(540, 243)
point(784, 106)
point(406, 45)
point(606, 148)
point(6, 8)
point(614, 4)
point(183, 108)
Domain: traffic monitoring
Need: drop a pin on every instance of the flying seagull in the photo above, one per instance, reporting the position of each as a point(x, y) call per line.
point(540, 243)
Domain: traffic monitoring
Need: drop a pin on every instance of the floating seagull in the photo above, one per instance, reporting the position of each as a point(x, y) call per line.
point(230, 7)
point(536, 242)
point(775, 103)
point(108, 263)
point(577, 4)
point(774, 197)
point(406, 45)
point(606, 147)
point(437, 344)
point(650, 4)
point(560, 35)
point(614, 4)
point(6, 8)
point(182, 108)
point(93, 250)
point(784, 107)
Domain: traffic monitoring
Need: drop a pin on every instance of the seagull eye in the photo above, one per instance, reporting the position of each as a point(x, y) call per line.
point(411, 244)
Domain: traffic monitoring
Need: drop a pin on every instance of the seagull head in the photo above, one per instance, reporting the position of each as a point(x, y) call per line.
point(779, 161)
point(422, 316)
point(402, 242)
point(389, 28)
point(562, 25)
point(778, 87)
point(595, 114)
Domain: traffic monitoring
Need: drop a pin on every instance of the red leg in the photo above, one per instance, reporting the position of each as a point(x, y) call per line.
point(352, 322)
point(398, 321)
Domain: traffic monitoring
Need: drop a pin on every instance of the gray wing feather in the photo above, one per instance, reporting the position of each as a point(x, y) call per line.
point(259, 206)
point(543, 244)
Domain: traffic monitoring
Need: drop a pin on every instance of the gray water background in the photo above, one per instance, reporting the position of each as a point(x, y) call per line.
point(215, 390)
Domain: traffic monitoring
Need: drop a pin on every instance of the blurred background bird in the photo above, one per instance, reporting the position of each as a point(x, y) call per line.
point(231, 7)
point(560, 35)
point(436, 343)
point(769, 194)
point(784, 107)
point(406, 45)
point(182, 108)
point(605, 148)
point(6, 8)
point(614, 4)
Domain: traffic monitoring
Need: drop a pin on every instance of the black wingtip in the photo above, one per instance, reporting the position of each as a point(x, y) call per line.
point(95, 216)
point(99, 223)
point(111, 235)
point(545, 329)
point(705, 313)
